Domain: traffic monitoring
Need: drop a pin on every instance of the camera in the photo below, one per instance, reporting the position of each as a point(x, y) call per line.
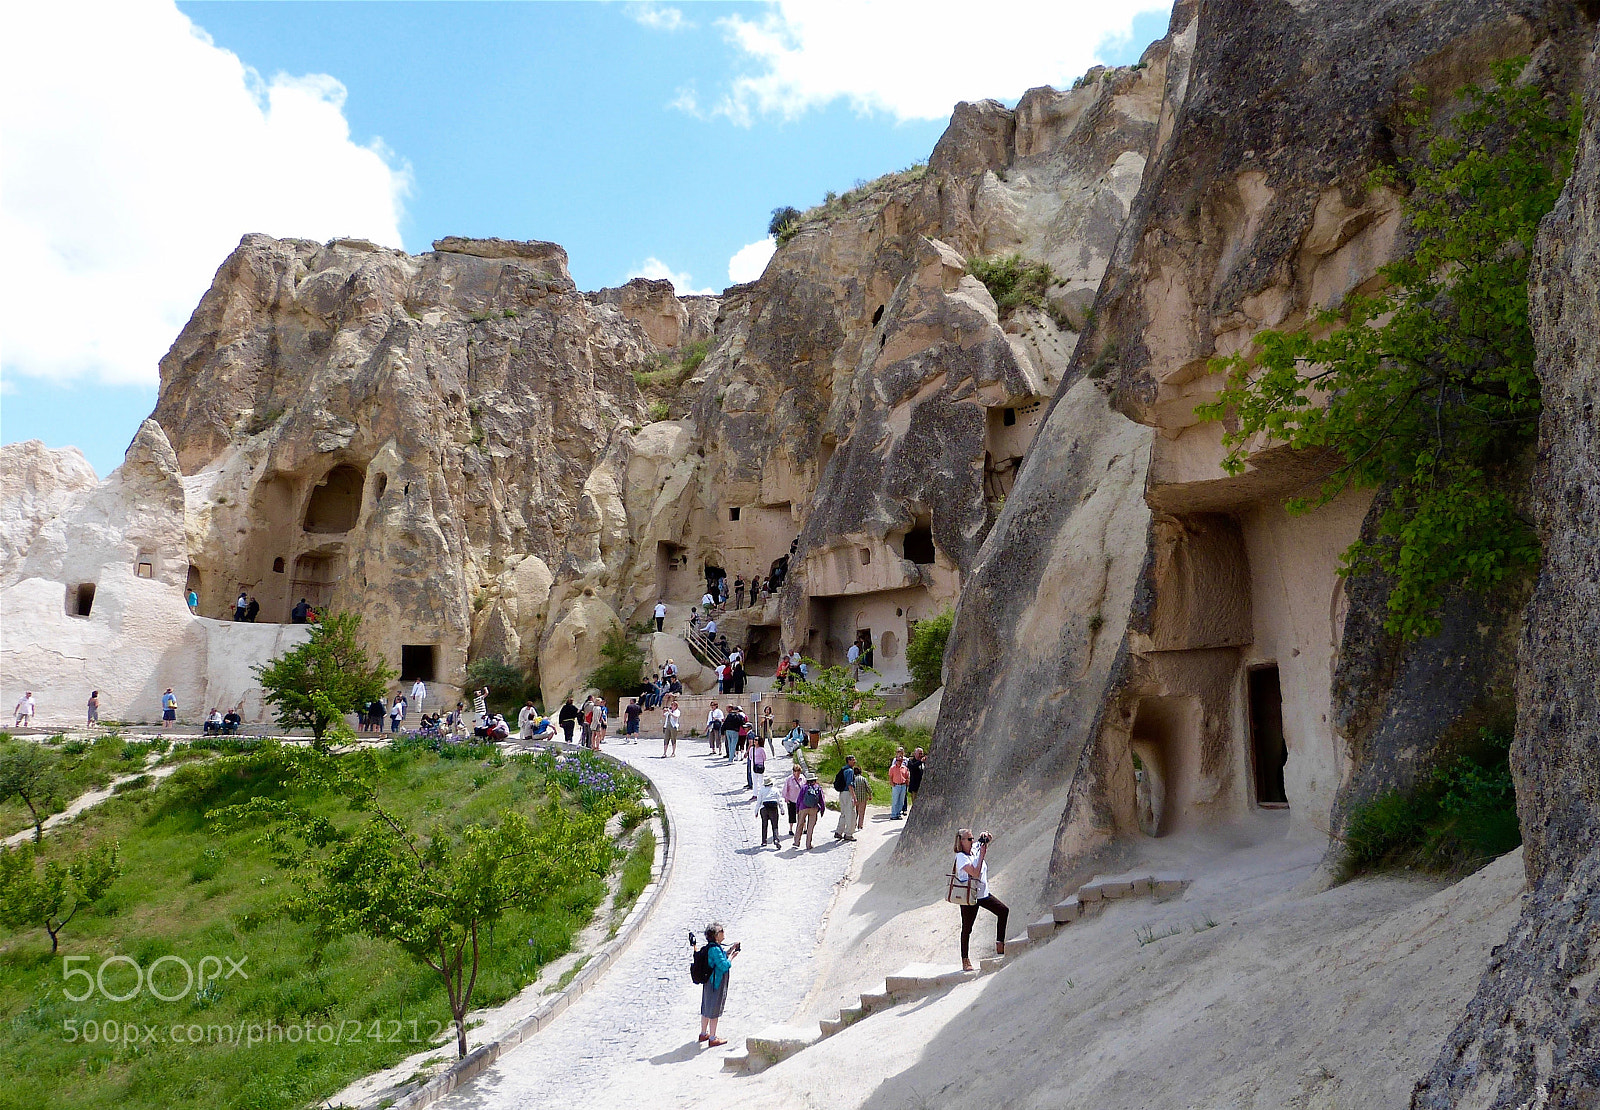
point(984, 838)
point(737, 945)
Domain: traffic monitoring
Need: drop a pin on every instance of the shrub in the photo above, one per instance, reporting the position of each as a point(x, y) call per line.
point(782, 220)
point(1013, 281)
point(925, 651)
point(622, 669)
point(693, 354)
point(509, 686)
point(1458, 818)
point(658, 410)
point(874, 750)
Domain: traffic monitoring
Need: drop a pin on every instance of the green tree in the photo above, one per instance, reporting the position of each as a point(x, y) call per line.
point(49, 897)
point(782, 219)
point(925, 651)
point(32, 773)
point(832, 691)
point(622, 666)
point(318, 682)
point(1427, 388)
point(509, 686)
point(1013, 281)
point(434, 895)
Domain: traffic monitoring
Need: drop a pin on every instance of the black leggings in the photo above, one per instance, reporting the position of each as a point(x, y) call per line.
point(969, 914)
point(769, 812)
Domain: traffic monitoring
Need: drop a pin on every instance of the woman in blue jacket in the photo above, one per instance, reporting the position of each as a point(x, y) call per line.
point(714, 994)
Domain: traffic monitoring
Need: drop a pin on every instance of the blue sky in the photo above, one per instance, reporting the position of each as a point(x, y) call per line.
point(641, 138)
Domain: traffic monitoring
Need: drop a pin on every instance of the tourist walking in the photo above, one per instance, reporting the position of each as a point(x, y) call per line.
point(25, 710)
point(738, 592)
point(915, 765)
point(714, 727)
point(853, 658)
point(194, 603)
point(861, 787)
point(671, 718)
point(755, 762)
point(792, 786)
point(714, 993)
point(632, 714)
point(734, 727)
point(419, 693)
point(525, 717)
point(567, 718)
point(396, 713)
point(811, 804)
point(661, 614)
point(94, 708)
point(899, 783)
point(241, 606)
point(768, 795)
point(844, 782)
point(252, 611)
point(969, 889)
point(169, 707)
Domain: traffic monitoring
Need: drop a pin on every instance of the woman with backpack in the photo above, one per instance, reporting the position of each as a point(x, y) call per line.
point(718, 962)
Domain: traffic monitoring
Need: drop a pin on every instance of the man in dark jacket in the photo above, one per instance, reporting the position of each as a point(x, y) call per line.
point(568, 718)
point(251, 610)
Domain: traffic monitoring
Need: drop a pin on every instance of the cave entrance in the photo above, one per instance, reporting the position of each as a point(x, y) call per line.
point(336, 502)
point(419, 661)
point(80, 599)
point(1268, 749)
point(714, 579)
point(1165, 743)
point(918, 546)
point(314, 577)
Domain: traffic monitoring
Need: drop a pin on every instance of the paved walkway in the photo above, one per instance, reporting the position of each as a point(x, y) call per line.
point(630, 1041)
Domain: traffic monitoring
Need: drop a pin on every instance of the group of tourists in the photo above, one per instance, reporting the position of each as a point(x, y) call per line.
point(371, 717)
point(593, 717)
point(792, 669)
point(218, 723)
point(858, 657)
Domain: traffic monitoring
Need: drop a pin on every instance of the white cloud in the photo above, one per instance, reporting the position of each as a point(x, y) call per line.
point(137, 153)
point(658, 17)
point(750, 261)
point(915, 62)
point(655, 269)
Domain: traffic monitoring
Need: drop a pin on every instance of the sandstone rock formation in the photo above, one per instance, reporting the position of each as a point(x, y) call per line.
point(1530, 1038)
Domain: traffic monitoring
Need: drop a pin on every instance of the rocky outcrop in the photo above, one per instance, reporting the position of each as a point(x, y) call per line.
point(1529, 1038)
point(36, 483)
point(1227, 620)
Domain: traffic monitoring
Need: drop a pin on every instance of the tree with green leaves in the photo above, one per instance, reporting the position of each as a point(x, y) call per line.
point(925, 651)
point(832, 692)
point(318, 682)
point(783, 219)
point(1427, 388)
point(435, 895)
point(622, 664)
point(50, 896)
point(32, 773)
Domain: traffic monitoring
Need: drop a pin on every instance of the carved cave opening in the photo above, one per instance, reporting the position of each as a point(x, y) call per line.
point(336, 502)
point(1268, 750)
point(419, 661)
point(918, 546)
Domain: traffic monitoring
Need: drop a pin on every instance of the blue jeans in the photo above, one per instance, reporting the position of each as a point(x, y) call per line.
point(897, 801)
point(731, 739)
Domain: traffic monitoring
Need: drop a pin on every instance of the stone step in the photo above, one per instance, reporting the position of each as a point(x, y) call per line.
point(735, 1063)
point(1016, 946)
point(920, 978)
point(778, 1042)
point(851, 1014)
point(872, 1003)
point(1168, 885)
point(1067, 911)
point(1043, 929)
point(992, 964)
point(829, 1028)
point(1103, 889)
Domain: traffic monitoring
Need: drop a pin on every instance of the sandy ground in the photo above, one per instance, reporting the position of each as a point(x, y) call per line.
point(1268, 992)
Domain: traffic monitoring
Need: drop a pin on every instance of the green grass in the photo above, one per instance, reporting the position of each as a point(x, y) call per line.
point(1013, 281)
point(635, 872)
point(1455, 821)
point(85, 766)
point(668, 375)
point(874, 750)
point(191, 890)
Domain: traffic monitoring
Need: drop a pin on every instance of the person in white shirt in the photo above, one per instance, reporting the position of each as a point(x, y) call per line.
point(661, 614)
point(707, 600)
point(714, 721)
point(671, 718)
point(973, 867)
point(768, 795)
point(25, 709)
point(711, 630)
point(419, 694)
point(525, 718)
point(735, 657)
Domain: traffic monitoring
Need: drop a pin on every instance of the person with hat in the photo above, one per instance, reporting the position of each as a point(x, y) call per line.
point(811, 802)
point(768, 795)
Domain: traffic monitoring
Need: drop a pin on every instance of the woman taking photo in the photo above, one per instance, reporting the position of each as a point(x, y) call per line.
point(969, 888)
point(714, 993)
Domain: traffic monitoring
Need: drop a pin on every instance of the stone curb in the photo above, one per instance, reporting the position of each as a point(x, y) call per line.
point(478, 1060)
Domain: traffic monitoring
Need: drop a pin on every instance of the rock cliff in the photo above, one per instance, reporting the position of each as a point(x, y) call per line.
point(1530, 1038)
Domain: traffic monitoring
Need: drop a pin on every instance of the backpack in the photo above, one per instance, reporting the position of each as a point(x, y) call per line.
point(843, 780)
point(811, 796)
point(700, 966)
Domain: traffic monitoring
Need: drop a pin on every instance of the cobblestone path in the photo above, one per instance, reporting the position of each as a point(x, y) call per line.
point(631, 1040)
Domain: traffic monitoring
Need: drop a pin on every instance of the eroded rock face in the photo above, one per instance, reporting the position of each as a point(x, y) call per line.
point(1252, 213)
point(36, 483)
point(1530, 1038)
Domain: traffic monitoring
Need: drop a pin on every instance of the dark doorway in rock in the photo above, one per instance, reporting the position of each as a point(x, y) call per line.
point(419, 661)
point(80, 599)
point(877, 315)
point(336, 502)
point(1268, 750)
point(714, 577)
point(277, 565)
point(919, 544)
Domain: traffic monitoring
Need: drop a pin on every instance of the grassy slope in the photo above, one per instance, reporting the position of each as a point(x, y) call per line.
point(873, 750)
point(84, 767)
point(191, 891)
